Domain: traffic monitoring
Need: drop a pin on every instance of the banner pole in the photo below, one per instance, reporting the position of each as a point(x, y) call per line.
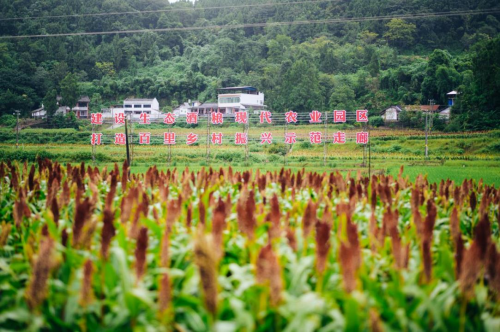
point(369, 153)
point(131, 139)
point(286, 147)
point(245, 130)
point(126, 142)
point(325, 139)
point(208, 139)
point(93, 146)
point(169, 150)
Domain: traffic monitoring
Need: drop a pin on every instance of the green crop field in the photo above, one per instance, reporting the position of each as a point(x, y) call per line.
point(89, 249)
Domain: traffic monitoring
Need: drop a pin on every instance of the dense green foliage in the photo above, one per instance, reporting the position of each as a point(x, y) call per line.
point(370, 64)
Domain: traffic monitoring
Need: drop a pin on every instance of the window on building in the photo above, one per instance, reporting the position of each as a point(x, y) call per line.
point(137, 106)
point(128, 106)
point(82, 104)
point(228, 100)
point(146, 106)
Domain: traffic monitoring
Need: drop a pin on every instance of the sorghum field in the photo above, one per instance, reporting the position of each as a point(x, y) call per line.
point(83, 249)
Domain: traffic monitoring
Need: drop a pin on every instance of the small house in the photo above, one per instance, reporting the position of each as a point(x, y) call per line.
point(185, 108)
point(391, 114)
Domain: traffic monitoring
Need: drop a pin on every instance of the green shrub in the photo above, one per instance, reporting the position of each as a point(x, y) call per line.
point(394, 148)
point(278, 148)
point(305, 145)
point(274, 158)
point(8, 120)
point(229, 156)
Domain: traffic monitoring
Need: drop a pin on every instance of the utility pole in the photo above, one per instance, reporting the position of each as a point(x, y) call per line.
point(17, 112)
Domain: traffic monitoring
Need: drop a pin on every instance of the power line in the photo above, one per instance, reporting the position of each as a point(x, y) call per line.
point(137, 12)
point(269, 24)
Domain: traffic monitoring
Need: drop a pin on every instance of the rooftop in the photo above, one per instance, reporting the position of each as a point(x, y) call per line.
point(139, 99)
point(207, 105)
point(245, 88)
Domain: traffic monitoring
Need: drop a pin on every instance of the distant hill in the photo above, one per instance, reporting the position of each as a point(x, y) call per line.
point(354, 61)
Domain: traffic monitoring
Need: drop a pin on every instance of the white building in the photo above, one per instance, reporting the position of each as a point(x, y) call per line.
point(185, 108)
point(240, 98)
point(391, 114)
point(81, 109)
point(134, 107)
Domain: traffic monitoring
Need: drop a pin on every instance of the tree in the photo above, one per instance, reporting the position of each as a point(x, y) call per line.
point(301, 87)
point(50, 103)
point(104, 68)
point(441, 77)
point(69, 90)
point(400, 33)
point(342, 97)
point(478, 105)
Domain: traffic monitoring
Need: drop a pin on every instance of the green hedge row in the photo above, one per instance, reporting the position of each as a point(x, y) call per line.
point(32, 156)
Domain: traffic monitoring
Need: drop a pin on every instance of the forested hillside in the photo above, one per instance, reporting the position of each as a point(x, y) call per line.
point(343, 64)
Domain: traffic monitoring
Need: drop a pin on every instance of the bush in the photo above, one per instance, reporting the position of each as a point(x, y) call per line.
point(229, 156)
point(8, 120)
point(376, 121)
point(394, 148)
point(305, 145)
point(274, 158)
point(278, 148)
point(30, 156)
point(493, 147)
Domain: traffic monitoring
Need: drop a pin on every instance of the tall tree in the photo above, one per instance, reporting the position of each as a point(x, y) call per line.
point(69, 90)
point(50, 103)
point(400, 33)
point(301, 87)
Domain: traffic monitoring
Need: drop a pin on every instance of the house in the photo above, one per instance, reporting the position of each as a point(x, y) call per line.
point(204, 108)
point(229, 101)
point(422, 108)
point(240, 98)
point(134, 107)
point(445, 114)
point(81, 109)
point(391, 114)
point(452, 95)
point(185, 108)
point(39, 113)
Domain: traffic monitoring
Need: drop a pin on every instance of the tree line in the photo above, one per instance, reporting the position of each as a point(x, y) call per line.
point(347, 65)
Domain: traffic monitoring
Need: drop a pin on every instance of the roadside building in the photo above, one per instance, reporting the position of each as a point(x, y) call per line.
point(240, 98)
point(391, 114)
point(134, 107)
point(185, 108)
point(204, 108)
point(229, 101)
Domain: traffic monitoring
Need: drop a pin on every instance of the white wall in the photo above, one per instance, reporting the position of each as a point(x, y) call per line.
point(247, 99)
point(391, 114)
